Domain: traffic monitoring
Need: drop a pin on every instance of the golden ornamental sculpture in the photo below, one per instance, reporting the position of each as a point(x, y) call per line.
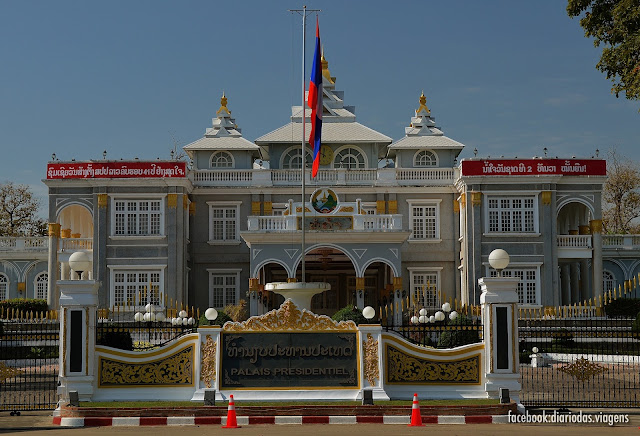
point(423, 104)
point(7, 372)
point(223, 105)
point(289, 318)
point(583, 369)
point(174, 370)
point(208, 370)
point(371, 369)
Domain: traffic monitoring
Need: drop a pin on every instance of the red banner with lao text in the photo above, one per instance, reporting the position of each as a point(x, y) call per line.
point(116, 170)
point(534, 167)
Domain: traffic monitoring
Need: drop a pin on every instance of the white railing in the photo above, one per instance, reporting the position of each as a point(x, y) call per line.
point(424, 174)
point(374, 176)
point(574, 241)
point(373, 223)
point(367, 223)
point(223, 176)
point(627, 242)
point(68, 244)
point(24, 243)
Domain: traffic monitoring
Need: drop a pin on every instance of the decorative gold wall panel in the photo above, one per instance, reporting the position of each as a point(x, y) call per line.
point(174, 370)
point(103, 200)
point(583, 369)
point(54, 230)
point(393, 207)
point(371, 370)
point(403, 368)
point(208, 370)
point(546, 197)
point(172, 201)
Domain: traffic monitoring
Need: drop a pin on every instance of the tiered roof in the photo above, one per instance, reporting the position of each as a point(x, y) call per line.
point(224, 135)
point(423, 133)
point(338, 121)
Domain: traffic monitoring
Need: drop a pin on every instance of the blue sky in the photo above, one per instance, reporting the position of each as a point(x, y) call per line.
point(135, 77)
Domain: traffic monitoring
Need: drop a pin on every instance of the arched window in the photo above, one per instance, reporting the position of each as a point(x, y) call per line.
point(291, 160)
point(221, 159)
point(425, 158)
point(349, 157)
point(40, 285)
point(608, 281)
point(4, 287)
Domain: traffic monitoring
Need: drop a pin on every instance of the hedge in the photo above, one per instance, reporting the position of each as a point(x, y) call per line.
point(457, 338)
point(623, 308)
point(24, 304)
point(349, 313)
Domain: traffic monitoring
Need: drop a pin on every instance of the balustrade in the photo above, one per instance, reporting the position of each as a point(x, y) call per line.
point(574, 241)
point(24, 243)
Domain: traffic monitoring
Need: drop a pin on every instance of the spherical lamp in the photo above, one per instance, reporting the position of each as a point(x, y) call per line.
point(432, 319)
point(369, 312)
point(423, 319)
point(439, 316)
point(453, 315)
point(499, 260)
point(80, 261)
point(423, 312)
point(446, 307)
point(414, 320)
point(182, 314)
point(211, 314)
point(138, 317)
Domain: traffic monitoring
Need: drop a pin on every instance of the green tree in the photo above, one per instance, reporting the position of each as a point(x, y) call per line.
point(616, 25)
point(18, 209)
point(621, 196)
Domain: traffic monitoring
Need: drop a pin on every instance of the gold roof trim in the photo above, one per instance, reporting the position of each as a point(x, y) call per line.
point(223, 105)
point(289, 318)
point(423, 103)
point(325, 68)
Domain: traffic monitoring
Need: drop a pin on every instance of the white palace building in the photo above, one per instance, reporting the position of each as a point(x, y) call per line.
point(216, 230)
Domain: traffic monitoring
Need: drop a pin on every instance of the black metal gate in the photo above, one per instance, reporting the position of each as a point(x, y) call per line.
point(579, 361)
point(29, 364)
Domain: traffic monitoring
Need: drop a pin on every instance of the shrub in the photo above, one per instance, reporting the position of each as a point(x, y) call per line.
point(349, 313)
point(220, 319)
point(237, 312)
point(562, 338)
point(116, 339)
point(456, 338)
point(635, 327)
point(24, 304)
point(623, 308)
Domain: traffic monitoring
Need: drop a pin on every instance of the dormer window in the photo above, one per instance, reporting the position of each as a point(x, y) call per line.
point(221, 159)
point(292, 159)
point(425, 158)
point(350, 157)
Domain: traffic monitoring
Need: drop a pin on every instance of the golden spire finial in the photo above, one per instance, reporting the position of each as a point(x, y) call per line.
point(423, 103)
point(325, 67)
point(223, 105)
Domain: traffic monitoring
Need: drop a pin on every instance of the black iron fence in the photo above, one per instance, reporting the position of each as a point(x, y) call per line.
point(151, 327)
point(447, 333)
point(28, 364)
point(579, 362)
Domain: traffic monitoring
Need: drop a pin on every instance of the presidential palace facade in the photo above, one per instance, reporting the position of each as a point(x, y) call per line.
point(383, 216)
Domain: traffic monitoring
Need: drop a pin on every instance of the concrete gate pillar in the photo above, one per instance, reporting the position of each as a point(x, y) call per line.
point(499, 300)
point(78, 311)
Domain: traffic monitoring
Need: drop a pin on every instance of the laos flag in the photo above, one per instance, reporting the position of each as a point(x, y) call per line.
point(314, 100)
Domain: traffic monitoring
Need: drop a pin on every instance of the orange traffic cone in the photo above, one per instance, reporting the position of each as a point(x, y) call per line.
point(232, 421)
point(416, 418)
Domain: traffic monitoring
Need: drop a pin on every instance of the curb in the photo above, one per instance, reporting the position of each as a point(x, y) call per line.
point(278, 420)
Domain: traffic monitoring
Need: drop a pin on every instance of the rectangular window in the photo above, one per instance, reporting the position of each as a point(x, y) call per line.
point(223, 288)
point(224, 222)
point(138, 217)
point(511, 214)
point(137, 288)
point(424, 288)
point(424, 221)
point(528, 285)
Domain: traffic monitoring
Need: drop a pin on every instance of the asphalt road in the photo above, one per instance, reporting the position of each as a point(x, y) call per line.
point(39, 423)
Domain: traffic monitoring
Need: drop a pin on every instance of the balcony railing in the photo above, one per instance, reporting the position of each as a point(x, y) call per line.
point(574, 241)
point(327, 177)
point(72, 244)
point(626, 242)
point(35, 243)
point(365, 223)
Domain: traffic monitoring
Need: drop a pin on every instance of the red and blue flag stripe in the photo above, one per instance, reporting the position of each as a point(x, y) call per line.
point(314, 100)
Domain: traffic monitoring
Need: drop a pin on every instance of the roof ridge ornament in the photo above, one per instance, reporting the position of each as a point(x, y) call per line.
point(223, 105)
point(325, 68)
point(423, 104)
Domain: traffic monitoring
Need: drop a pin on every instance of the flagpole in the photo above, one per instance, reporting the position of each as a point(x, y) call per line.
point(304, 125)
point(304, 11)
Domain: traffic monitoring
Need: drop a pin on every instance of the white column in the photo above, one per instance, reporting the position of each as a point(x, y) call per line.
point(78, 304)
point(371, 342)
point(499, 300)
